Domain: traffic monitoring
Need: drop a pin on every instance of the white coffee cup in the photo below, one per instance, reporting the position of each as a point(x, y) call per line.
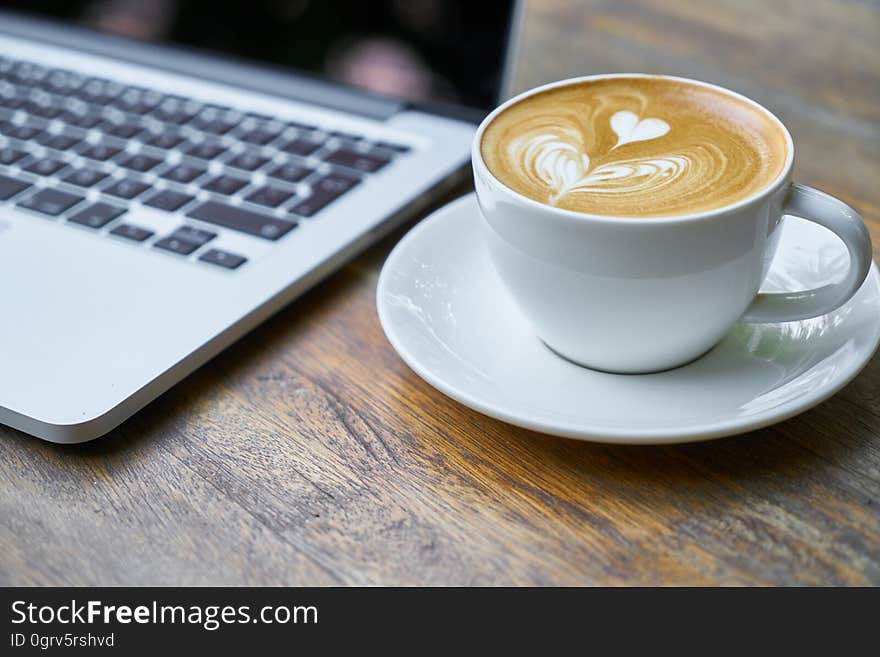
point(642, 295)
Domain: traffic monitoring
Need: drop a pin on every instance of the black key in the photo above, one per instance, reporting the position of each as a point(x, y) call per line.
point(132, 232)
point(23, 83)
point(61, 82)
point(9, 155)
point(336, 181)
point(205, 150)
point(122, 130)
point(126, 188)
point(216, 110)
point(99, 91)
point(175, 245)
point(97, 215)
point(176, 116)
point(81, 107)
point(227, 185)
point(59, 142)
point(269, 196)
point(166, 140)
point(368, 162)
point(43, 108)
point(216, 125)
point(301, 146)
point(142, 106)
point(242, 220)
point(168, 200)
point(261, 135)
point(9, 187)
point(223, 259)
point(10, 100)
point(29, 73)
point(194, 235)
point(113, 89)
point(177, 111)
point(140, 163)
point(348, 136)
point(44, 111)
point(8, 88)
point(50, 201)
point(258, 117)
point(248, 161)
point(291, 172)
point(184, 173)
point(83, 120)
point(301, 126)
point(45, 167)
point(397, 148)
point(85, 177)
point(138, 101)
point(324, 191)
point(102, 152)
point(33, 90)
point(16, 131)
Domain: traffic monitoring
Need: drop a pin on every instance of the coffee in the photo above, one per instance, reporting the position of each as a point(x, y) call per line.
point(640, 146)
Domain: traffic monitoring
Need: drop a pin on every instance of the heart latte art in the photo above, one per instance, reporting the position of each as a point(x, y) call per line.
point(640, 146)
point(564, 168)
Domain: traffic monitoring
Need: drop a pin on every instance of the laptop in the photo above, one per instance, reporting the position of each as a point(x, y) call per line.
point(170, 177)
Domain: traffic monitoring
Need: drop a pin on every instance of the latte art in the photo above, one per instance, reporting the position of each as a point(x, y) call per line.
point(634, 147)
point(630, 128)
point(565, 170)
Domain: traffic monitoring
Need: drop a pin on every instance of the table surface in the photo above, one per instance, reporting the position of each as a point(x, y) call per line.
point(309, 454)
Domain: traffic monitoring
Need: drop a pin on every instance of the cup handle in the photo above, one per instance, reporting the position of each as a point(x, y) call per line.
point(818, 207)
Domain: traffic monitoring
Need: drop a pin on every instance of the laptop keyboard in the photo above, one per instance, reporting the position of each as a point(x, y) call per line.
point(98, 146)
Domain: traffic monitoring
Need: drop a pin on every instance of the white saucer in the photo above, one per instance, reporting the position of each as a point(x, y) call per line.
point(446, 313)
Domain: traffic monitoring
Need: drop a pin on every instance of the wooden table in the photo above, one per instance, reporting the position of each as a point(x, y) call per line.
point(310, 454)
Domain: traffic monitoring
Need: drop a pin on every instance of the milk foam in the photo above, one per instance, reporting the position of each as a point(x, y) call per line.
point(634, 147)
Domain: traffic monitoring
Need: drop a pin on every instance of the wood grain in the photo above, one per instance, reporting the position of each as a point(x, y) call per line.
point(308, 453)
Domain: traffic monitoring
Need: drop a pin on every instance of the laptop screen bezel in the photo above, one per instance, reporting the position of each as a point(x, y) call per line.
point(258, 76)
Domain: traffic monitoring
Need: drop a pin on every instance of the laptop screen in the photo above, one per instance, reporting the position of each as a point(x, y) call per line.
point(449, 51)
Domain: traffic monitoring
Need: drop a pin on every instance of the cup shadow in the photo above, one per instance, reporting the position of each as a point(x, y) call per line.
point(789, 446)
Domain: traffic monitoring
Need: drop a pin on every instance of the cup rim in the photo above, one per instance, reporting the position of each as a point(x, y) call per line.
point(768, 190)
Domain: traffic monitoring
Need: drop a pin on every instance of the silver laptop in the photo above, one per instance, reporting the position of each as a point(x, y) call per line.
point(169, 179)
